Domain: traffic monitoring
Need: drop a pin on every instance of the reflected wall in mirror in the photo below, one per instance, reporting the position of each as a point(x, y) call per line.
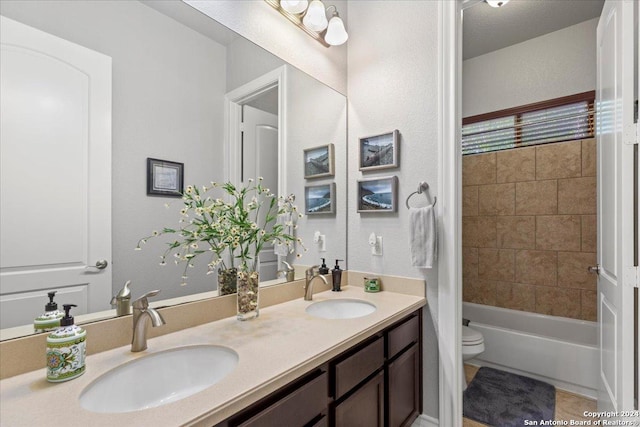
point(172, 68)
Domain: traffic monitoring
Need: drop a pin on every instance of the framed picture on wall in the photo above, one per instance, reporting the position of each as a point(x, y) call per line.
point(318, 161)
point(320, 199)
point(379, 151)
point(378, 194)
point(164, 178)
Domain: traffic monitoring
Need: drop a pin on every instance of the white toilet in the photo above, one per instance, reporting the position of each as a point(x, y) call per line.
point(472, 346)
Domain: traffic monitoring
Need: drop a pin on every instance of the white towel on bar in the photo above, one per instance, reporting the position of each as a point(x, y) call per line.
point(423, 236)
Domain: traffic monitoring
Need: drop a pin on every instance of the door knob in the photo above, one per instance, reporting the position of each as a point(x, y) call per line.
point(101, 264)
point(594, 269)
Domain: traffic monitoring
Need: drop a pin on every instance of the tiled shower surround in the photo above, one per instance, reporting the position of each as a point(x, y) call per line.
point(529, 229)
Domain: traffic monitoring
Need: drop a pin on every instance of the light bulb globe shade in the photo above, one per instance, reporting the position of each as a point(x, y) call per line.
point(497, 3)
point(315, 19)
point(336, 33)
point(294, 6)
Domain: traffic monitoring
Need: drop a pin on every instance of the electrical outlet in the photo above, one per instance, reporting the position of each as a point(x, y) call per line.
point(376, 244)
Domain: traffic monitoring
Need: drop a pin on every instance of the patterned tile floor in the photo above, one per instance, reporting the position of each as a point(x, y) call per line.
point(569, 406)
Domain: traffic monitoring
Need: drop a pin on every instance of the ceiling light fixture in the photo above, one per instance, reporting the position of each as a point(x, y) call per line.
point(311, 17)
point(497, 3)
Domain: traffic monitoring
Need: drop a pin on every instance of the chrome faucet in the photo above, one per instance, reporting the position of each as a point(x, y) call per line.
point(142, 314)
point(122, 301)
point(310, 274)
point(288, 273)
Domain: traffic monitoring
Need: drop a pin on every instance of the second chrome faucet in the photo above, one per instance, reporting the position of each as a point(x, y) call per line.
point(310, 274)
point(142, 315)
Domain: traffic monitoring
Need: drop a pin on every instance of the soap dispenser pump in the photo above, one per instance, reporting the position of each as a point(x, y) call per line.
point(323, 268)
point(336, 274)
point(51, 317)
point(66, 349)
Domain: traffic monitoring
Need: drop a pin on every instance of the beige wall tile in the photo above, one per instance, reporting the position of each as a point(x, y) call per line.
point(469, 264)
point(537, 197)
point(558, 301)
point(496, 264)
point(589, 157)
point(558, 232)
point(470, 200)
point(577, 195)
point(479, 169)
point(516, 165)
point(537, 267)
point(589, 305)
point(479, 231)
point(516, 232)
point(516, 296)
point(497, 199)
point(589, 233)
point(572, 270)
point(560, 160)
point(480, 292)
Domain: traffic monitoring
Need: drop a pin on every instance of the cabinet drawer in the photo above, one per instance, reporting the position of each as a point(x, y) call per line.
point(365, 407)
point(402, 336)
point(296, 409)
point(355, 368)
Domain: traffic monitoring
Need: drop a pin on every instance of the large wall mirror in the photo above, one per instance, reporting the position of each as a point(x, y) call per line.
point(175, 77)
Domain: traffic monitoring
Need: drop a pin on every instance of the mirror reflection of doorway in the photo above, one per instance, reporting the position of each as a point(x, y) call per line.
point(253, 146)
point(260, 159)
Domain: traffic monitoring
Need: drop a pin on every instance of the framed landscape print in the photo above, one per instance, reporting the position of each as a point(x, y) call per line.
point(378, 194)
point(320, 199)
point(165, 178)
point(318, 161)
point(379, 151)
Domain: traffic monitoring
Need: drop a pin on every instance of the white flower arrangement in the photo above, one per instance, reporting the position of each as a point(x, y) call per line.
point(236, 230)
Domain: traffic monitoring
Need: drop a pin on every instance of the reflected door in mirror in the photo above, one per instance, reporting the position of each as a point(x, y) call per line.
point(260, 159)
point(56, 173)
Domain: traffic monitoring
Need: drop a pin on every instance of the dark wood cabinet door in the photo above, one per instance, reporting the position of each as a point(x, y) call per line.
point(365, 407)
point(404, 388)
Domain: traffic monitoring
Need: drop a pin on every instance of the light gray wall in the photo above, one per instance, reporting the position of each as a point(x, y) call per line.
point(168, 84)
point(263, 25)
point(317, 115)
point(246, 61)
point(392, 77)
point(557, 64)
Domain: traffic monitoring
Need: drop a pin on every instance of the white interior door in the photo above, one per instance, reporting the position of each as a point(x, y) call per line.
point(55, 211)
point(615, 141)
point(260, 159)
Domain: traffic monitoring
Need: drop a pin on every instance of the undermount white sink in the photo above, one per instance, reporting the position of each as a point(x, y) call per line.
point(158, 379)
point(341, 308)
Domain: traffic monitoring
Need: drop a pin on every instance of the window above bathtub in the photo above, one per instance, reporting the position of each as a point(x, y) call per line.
point(556, 120)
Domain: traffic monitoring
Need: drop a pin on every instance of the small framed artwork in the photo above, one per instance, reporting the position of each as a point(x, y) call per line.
point(320, 199)
point(378, 194)
point(164, 178)
point(318, 161)
point(379, 151)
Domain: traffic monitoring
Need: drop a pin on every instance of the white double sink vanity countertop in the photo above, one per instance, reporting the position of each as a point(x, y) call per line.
point(283, 343)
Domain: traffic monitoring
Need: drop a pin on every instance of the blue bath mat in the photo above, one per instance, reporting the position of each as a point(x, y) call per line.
point(503, 399)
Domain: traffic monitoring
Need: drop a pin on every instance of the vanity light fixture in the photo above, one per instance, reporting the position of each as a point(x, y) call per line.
point(497, 3)
point(311, 17)
point(294, 6)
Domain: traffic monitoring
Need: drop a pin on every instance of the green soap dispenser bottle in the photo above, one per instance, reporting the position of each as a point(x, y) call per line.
point(50, 320)
point(66, 350)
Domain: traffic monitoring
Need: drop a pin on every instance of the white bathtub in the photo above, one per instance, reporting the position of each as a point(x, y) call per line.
point(558, 350)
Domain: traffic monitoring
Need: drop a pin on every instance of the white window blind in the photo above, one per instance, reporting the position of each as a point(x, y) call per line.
point(538, 126)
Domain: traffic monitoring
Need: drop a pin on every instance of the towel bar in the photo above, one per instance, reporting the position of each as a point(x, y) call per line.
point(422, 188)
